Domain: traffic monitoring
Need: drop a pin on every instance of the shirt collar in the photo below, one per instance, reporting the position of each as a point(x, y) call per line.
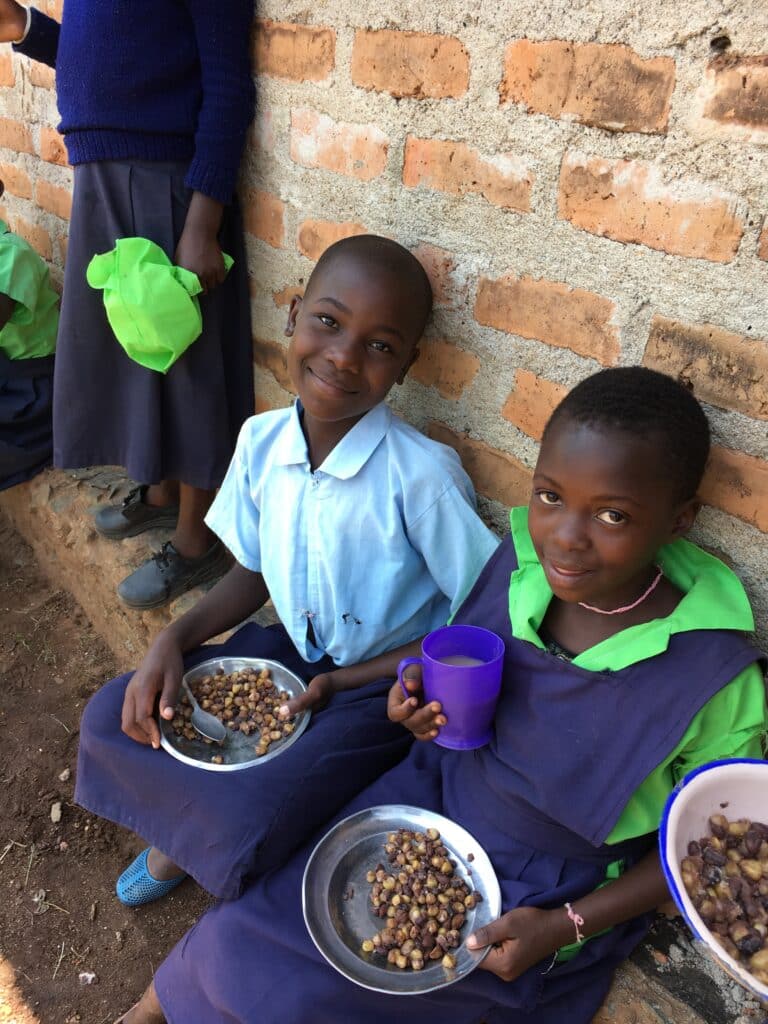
point(714, 598)
point(350, 454)
point(4, 229)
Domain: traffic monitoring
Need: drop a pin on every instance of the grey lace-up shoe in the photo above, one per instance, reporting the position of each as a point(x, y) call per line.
point(167, 574)
point(133, 516)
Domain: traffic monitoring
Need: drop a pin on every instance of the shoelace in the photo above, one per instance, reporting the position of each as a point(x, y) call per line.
point(164, 556)
point(132, 495)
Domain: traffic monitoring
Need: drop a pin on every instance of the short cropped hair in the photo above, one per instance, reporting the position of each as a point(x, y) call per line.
point(647, 405)
point(386, 254)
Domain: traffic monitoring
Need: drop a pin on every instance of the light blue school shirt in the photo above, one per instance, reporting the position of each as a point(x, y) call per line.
point(377, 547)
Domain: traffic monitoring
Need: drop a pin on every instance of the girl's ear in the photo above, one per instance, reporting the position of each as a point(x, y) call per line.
point(293, 312)
point(411, 360)
point(685, 517)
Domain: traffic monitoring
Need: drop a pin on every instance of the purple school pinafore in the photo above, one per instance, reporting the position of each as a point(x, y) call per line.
point(540, 799)
point(223, 828)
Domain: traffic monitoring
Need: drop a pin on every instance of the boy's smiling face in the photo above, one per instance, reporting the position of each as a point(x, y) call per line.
point(353, 336)
point(601, 508)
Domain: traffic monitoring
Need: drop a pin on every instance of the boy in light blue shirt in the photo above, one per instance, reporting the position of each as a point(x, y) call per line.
point(364, 534)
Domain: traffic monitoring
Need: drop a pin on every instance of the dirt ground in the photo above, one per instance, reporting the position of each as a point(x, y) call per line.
point(70, 953)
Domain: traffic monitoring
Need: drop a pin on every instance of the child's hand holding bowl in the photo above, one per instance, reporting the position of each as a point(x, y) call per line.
point(160, 673)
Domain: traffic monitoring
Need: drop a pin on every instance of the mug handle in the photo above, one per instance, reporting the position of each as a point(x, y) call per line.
point(404, 664)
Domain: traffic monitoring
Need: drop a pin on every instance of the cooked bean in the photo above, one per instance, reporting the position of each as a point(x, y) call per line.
point(726, 876)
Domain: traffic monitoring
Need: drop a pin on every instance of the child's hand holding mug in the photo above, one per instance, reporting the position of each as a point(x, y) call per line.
point(424, 722)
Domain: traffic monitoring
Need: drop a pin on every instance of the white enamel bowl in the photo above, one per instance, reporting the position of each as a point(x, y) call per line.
point(737, 789)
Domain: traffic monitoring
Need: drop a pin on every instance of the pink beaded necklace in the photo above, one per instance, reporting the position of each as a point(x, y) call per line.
point(627, 607)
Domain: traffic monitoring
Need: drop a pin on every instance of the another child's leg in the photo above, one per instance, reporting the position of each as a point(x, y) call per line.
point(146, 1011)
point(192, 538)
point(194, 556)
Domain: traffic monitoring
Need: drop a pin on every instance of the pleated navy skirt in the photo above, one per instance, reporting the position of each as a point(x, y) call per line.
point(226, 828)
point(26, 394)
point(109, 410)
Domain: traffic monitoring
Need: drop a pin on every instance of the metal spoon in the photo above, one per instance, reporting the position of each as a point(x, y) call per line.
point(206, 724)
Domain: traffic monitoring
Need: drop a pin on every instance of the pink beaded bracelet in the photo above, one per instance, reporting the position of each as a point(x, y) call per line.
point(578, 921)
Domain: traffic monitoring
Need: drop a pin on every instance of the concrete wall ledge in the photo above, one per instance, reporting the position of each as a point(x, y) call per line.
point(667, 981)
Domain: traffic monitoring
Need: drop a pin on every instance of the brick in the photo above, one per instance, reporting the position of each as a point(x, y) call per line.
point(441, 271)
point(532, 402)
point(762, 245)
point(54, 8)
point(37, 237)
point(7, 76)
point(301, 53)
point(15, 135)
point(52, 147)
point(42, 76)
point(264, 217)
point(272, 356)
point(55, 199)
point(262, 133)
point(16, 181)
point(284, 296)
point(724, 369)
point(736, 91)
point(445, 366)
point(458, 169)
point(496, 475)
point(628, 202)
point(356, 150)
point(605, 85)
point(738, 484)
point(551, 312)
point(413, 64)
point(316, 235)
point(63, 241)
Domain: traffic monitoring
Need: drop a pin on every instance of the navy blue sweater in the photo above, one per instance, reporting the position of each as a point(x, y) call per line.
point(153, 80)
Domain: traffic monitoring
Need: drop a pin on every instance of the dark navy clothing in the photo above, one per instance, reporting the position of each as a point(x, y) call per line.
point(226, 827)
point(109, 410)
point(161, 80)
point(26, 394)
point(538, 808)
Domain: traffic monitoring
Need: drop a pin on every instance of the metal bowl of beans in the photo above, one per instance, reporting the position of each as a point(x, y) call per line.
point(350, 883)
point(241, 750)
point(714, 850)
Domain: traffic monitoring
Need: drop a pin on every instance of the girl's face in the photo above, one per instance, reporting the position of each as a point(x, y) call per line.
point(602, 505)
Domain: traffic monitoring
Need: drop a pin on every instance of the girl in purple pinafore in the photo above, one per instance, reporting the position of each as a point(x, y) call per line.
point(625, 667)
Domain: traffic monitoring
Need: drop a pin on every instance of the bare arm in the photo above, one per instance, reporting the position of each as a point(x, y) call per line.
point(239, 594)
point(527, 935)
point(323, 686)
point(198, 249)
point(13, 21)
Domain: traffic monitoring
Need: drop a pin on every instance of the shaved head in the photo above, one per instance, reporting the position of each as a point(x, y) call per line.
point(385, 257)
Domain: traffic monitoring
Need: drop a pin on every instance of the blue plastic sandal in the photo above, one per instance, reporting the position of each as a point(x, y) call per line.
point(136, 886)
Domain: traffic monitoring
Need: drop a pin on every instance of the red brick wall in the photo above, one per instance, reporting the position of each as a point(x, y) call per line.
point(585, 190)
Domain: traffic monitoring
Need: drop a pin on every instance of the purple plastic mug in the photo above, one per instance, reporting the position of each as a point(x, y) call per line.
point(461, 668)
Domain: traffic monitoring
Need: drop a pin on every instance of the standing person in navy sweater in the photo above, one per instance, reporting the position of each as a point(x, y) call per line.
point(155, 99)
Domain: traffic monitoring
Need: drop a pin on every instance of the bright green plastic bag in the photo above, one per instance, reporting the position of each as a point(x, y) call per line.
point(151, 305)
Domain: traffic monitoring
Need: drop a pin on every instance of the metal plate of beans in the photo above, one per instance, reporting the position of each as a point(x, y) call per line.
point(244, 693)
point(392, 893)
point(714, 851)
